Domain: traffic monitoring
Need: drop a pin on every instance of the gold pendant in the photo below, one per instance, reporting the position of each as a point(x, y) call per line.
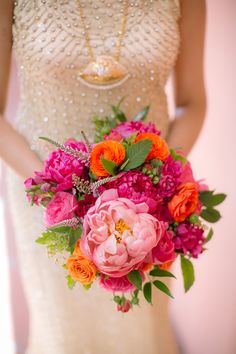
point(104, 73)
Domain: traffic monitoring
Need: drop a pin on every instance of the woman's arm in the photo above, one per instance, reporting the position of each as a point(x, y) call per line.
point(190, 98)
point(13, 148)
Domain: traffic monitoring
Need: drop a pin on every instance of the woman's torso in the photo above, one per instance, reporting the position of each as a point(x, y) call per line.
point(50, 48)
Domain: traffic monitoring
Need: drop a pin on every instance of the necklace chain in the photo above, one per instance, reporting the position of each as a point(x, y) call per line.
point(121, 33)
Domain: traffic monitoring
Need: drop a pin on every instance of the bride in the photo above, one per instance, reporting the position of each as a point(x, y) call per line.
point(75, 58)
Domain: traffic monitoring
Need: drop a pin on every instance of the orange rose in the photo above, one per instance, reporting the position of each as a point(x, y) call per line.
point(81, 269)
point(110, 150)
point(147, 266)
point(166, 266)
point(77, 250)
point(160, 149)
point(184, 202)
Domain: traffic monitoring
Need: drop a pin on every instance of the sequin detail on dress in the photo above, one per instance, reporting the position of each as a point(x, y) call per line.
point(50, 50)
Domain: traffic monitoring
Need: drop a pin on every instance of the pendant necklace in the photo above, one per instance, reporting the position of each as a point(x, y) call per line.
point(104, 71)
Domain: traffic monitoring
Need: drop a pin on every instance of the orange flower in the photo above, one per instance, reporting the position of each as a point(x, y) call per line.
point(147, 266)
point(184, 202)
point(110, 150)
point(166, 266)
point(77, 250)
point(160, 149)
point(80, 268)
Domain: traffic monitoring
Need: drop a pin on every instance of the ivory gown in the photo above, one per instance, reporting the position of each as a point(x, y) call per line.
point(50, 49)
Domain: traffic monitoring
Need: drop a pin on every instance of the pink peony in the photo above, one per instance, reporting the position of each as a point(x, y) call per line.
point(116, 284)
point(60, 208)
point(118, 234)
point(165, 249)
point(126, 129)
point(189, 238)
point(138, 188)
point(59, 167)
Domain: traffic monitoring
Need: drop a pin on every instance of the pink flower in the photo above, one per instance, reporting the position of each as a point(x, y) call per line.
point(118, 234)
point(187, 174)
point(138, 188)
point(165, 249)
point(125, 307)
point(116, 284)
point(85, 204)
point(172, 167)
point(189, 238)
point(126, 129)
point(37, 190)
point(59, 167)
point(167, 186)
point(61, 207)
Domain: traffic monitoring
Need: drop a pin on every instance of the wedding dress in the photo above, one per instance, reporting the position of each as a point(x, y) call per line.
point(50, 50)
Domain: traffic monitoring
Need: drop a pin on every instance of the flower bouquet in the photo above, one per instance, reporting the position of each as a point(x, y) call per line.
point(122, 209)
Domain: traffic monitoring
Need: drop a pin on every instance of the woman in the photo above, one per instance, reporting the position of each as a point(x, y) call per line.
point(56, 44)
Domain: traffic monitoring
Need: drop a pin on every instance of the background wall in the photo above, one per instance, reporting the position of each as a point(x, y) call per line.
point(205, 318)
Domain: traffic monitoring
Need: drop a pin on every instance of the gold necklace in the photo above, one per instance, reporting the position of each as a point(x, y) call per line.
point(104, 71)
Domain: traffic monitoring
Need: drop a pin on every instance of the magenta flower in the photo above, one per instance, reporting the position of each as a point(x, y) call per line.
point(60, 208)
point(189, 238)
point(126, 129)
point(60, 166)
point(172, 168)
point(165, 249)
point(167, 186)
point(138, 188)
point(85, 204)
point(111, 284)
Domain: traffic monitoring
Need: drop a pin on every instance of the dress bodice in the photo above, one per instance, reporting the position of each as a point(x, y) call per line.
point(50, 50)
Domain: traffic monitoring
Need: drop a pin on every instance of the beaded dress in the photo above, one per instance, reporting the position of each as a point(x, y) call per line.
point(49, 46)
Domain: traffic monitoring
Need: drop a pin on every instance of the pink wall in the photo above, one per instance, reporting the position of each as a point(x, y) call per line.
point(205, 318)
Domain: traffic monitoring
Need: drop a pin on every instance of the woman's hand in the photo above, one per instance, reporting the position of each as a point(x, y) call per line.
point(13, 147)
point(190, 97)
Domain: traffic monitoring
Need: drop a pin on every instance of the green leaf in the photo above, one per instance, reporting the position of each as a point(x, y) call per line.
point(60, 229)
point(87, 286)
point(110, 166)
point(130, 139)
point(137, 153)
point(74, 235)
point(210, 200)
point(135, 298)
point(135, 278)
point(70, 282)
point(188, 272)
point(161, 286)
point(117, 299)
point(55, 242)
point(142, 114)
point(209, 235)
point(147, 292)
point(156, 163)
point(211, 215)
point(119, 114)
point(178, 157)
point(157, 272)
point(123, 165)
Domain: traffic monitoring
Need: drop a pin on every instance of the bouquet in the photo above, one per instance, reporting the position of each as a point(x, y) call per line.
point(120, 210)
